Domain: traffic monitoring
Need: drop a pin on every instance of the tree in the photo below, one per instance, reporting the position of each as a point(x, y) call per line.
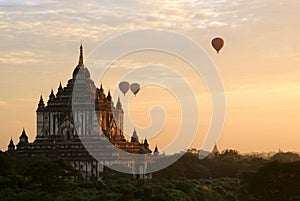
point(7, 164)
point(49, 174)
point(275, 182)
point(287, 157)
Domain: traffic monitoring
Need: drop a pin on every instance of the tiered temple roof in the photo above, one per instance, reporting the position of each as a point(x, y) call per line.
point(58, 134)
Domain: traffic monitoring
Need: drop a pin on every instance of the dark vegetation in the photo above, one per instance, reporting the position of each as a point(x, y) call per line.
point(223, 177)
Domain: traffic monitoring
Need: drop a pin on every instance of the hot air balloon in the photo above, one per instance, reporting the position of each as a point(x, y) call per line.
point(124, 87)
point(217, 43)
point(135, 88)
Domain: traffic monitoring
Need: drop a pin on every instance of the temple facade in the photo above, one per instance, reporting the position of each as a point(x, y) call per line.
point(61, 128)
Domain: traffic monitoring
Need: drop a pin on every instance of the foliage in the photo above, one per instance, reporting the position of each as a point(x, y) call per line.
point(275, 182)
point(227, 176)
point(286, 157)
point(229, 163)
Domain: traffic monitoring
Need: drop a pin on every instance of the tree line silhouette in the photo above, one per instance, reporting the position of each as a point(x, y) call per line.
point(223, 176)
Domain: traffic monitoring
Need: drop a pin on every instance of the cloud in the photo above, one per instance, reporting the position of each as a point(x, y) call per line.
point(93, 19)
point(19, 57)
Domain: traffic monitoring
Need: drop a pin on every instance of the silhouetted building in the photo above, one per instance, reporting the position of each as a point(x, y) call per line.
point(155, 152)
point(209, 154)
point(11, 146)
point(215, 151)
point(60, 129)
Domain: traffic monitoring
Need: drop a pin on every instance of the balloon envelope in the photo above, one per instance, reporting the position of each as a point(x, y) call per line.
point(135, 88)
point(217, 43)
point(124, 87)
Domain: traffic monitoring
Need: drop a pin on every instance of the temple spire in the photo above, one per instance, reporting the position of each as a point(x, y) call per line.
point(60, 89)
point(146, 145)
point(156, 152)
point(80, 62)
point(134, 137)
point(119, 105)
point(11, 146)
point(51, 97)
point(41, 100)
point(11, 141)
point(41, 104)
point(23, 138)
point(108, 95)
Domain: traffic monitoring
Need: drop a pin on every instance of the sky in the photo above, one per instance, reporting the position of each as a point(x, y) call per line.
point(259, 64)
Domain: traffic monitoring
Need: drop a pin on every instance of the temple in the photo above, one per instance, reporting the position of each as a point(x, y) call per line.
point(60, 129)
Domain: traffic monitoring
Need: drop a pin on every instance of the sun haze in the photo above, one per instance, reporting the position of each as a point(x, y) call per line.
point(259, 63)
